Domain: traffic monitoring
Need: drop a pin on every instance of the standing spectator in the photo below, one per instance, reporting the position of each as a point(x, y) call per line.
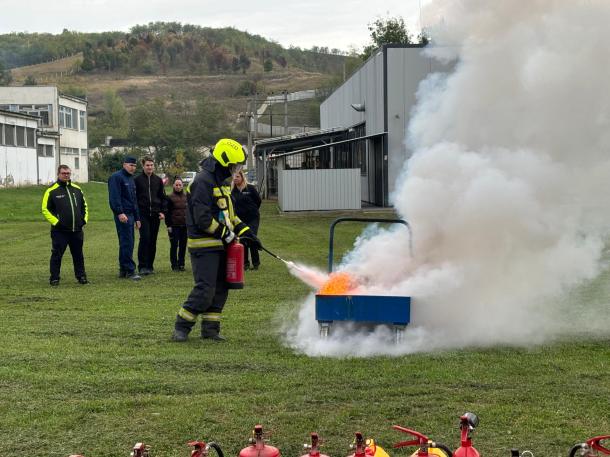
point(175, 220)
point(151, 206)
point(211, 224)
point(122, 198)
point(65, 207)
point(247, 203)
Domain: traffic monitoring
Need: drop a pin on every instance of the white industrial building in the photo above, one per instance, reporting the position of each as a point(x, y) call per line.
point(360, 150)
point(62, 130)
point(19, 164)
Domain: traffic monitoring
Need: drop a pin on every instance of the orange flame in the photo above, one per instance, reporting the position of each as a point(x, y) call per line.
point(338, 284)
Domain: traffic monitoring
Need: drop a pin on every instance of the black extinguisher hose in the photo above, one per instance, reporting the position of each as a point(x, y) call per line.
point(576, 448)
point(445, 449)
point(216, 447)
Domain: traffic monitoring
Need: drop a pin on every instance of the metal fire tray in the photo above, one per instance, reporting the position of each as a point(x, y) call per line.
point(369, 309)
point(374, 309)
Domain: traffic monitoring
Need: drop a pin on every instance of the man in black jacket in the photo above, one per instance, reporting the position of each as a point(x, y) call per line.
point(151, 204)
point(65, 207)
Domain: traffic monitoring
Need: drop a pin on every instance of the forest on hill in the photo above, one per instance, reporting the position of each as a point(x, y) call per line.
point(159, 47)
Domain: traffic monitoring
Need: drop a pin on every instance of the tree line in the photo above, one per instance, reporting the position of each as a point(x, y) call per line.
point(174, 132)
point(157, 46)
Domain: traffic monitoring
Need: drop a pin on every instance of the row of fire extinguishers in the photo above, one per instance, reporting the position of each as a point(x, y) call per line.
point(258, 447)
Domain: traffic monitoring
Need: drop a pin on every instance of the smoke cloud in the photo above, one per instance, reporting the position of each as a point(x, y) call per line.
point(507, 188)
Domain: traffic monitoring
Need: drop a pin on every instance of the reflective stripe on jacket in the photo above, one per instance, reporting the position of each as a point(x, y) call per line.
point(210, 211)
point(65, 207)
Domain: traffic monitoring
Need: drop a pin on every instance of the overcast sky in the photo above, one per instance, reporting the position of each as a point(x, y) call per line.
point(332, 23)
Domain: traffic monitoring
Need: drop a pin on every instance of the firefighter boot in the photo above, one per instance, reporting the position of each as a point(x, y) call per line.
point(210, 328)
point(179, 336)
point(184, 323)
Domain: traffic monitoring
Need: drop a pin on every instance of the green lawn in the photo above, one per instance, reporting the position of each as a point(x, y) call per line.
point(91, 370)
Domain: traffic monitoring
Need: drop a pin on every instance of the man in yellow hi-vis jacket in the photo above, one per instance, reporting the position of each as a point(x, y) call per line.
point(211, 225)
point(65, 207)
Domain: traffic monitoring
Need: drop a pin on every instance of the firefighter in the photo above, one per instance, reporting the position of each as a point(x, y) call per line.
point(65, 207)
point(211, 226)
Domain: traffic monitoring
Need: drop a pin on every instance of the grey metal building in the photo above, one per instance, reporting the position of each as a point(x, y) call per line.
point(363, 127)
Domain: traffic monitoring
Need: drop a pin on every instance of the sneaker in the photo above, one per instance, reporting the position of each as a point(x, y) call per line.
point(181, 268)
point(255, 267)
point(217, 338)
point(82, 280)
point(122, 274)
point(175, 268)
point(54, 282)
point(144, 271)
point(133, 276)
point(179, 336)
point(247, 266)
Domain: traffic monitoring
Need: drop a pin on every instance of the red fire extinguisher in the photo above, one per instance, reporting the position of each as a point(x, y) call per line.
point(202, 449)
point(314, 447)
point(140, 450)
point(468, 422)
point(257, 446)
point(235, 265)
point(359, 446)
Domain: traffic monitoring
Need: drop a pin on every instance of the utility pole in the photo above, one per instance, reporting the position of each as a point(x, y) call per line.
point(285, 112)
point(249, 161)
point(255, 112)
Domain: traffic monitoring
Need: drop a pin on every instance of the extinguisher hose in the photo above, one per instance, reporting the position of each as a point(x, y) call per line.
point(216, 448)
point(444, 448)
point(576, 448)
point(274, 255)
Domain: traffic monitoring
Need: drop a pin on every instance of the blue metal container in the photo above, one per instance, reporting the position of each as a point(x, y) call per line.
point(374, 309)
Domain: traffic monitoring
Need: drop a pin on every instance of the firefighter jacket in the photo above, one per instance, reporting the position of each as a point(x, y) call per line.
point(176, 209)
point(65, 207)
point(150, 194)
point(122, 194)
point(210, 210)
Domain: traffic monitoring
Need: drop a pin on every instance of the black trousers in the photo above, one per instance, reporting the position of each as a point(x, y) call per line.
point(177, 248)
point(59, 242)
point(254, 255)
point(147, 247)
point(209, 294)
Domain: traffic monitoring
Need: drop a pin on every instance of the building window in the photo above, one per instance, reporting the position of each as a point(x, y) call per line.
point(76, 163)
point(83, 120)
point(31, 137)
point(20, 136)
point(45, 150)
point(84, 152)
point(9, 135)
point(2, 134)
point(68, 117)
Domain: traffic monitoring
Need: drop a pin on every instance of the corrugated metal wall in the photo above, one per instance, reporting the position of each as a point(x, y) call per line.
point(313, 190)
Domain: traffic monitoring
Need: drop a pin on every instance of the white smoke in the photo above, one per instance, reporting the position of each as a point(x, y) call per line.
point(507, 190)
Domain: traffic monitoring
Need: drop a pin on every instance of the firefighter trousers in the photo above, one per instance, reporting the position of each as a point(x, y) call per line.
point(209, 293)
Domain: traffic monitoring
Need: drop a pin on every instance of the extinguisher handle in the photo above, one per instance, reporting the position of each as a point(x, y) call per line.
point(595, 443)
point(419, 437)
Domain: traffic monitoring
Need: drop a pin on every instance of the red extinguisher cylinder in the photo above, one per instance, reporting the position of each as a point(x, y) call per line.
point(235, 265)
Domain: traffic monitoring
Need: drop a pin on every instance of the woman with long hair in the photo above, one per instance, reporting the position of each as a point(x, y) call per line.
point(247, 203)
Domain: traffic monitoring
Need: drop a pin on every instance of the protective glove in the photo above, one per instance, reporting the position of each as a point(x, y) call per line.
point(227, 235)
point(224, 233)
point(252, 240)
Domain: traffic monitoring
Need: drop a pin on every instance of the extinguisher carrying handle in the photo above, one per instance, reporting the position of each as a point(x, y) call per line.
point(592, 443)
point(419, 440)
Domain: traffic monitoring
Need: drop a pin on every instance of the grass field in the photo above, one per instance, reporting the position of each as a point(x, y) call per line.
point(90, 369)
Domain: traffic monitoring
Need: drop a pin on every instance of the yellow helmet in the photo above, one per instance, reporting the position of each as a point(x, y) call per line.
point(229, 152)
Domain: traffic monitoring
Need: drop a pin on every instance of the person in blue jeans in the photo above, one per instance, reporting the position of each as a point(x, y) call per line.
point(124, 205)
